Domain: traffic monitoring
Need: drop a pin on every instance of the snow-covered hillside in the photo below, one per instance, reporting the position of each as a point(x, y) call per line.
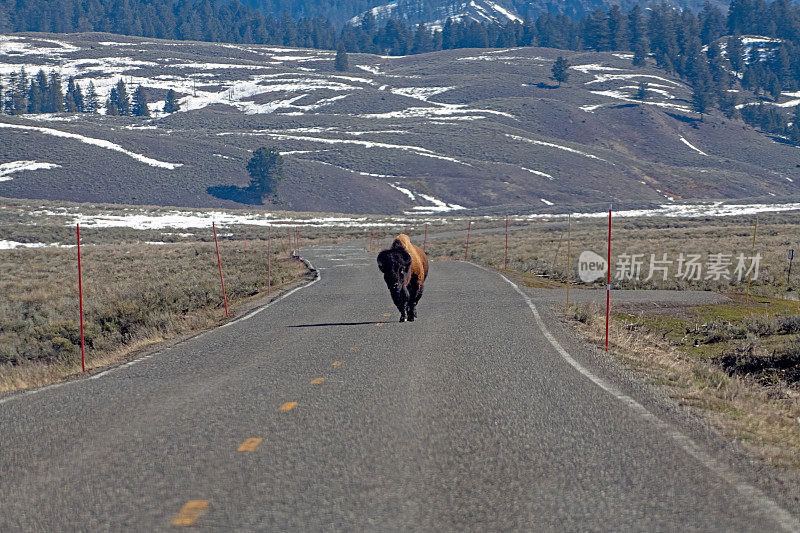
point(435, 15)
point(443, 132)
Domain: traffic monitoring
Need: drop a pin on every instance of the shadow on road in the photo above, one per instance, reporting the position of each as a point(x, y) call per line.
point(335, 324)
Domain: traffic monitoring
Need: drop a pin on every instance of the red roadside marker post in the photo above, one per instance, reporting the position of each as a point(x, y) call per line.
point(505, 262)
point(219, 264)
point(608, 277)
point(425, 241)
point(80, 300)
point(269, 260)
point(466, 248)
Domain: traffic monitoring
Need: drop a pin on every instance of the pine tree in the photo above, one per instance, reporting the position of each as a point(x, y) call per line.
point(8, 101)
point(639, 54)
point(703, 90)
point(341, 63)
point(637, 29)
point(171, 104)
point(794, 128)
point(641, 91)
point(91, 104)
point(735, 52)
point(560, 70)
point(78, 97)
point(618, 29)
point(266, 170)
point(712, 23)
point(718, 67)
point(596, 31)
point(35, 95)
point(754, 78)
point(774, 86)
point(140, 108)
point(54, 97)
point(19, 104)
point(422, 41)
point(112, 104)
point(70, 103)
point(779, 64)
point(528, 31)
point(123, 100)
point(728, 103)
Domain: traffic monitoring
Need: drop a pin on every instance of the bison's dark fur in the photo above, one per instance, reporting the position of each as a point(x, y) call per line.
point(404, 274)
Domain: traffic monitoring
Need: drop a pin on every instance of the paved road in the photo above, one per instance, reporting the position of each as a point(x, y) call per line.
point(471, 418)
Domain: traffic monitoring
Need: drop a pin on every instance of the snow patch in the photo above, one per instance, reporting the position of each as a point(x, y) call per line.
point(594, 67)
point(696, 149)
point(402, 190)
point(421, 93)
point(552, 145)
point(626, 98)
point(715, 209)
point(367, 144)
point(438, 205)
point(108, 145)
point(538, 173)
point(19, 166)
point(371, 69)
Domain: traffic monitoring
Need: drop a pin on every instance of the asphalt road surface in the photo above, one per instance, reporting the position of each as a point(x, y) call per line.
point(480, 415)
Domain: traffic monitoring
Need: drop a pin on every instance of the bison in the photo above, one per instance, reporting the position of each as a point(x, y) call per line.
point(405, 268)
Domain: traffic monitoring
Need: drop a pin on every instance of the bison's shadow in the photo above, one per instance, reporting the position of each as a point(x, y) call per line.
point(335, 324)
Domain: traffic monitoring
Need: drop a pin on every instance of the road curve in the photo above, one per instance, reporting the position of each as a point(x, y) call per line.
point(468, 419)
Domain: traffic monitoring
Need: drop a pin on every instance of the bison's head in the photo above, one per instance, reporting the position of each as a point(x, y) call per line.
point(396, 267)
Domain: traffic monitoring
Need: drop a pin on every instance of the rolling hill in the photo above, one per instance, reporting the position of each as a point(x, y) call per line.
point(478, 129)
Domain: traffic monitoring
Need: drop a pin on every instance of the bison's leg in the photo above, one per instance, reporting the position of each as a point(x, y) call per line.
point(415, 293)
point(401, 299)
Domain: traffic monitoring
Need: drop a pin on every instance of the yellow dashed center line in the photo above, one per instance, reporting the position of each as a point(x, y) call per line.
point(353, 348)
point(338, 363)
point(249, 445)
point(387, 314)
point(288, 406)
point(191, 511)
point(379, 324)
point(317, 381)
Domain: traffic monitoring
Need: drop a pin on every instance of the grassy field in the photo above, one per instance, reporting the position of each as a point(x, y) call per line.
point(541, 249)
point(135, 295)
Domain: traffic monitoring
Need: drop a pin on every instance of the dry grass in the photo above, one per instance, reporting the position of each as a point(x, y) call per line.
point(767, 418)
point(541, 249)
point(135, 295)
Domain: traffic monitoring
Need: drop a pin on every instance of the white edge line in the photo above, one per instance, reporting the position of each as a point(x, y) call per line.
point(768, 506)
point(251, 314)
